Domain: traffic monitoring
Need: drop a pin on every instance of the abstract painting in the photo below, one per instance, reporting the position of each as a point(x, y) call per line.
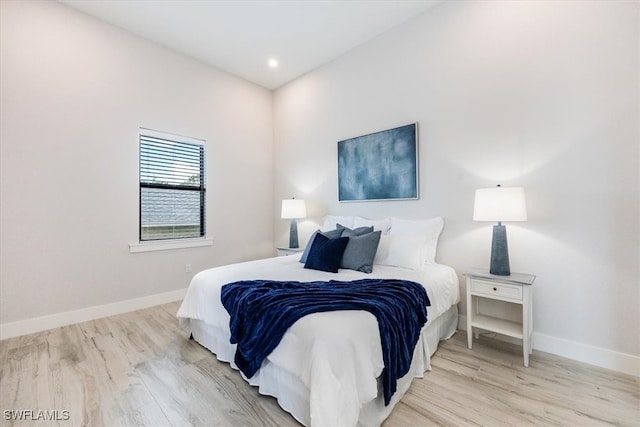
point(379, 166)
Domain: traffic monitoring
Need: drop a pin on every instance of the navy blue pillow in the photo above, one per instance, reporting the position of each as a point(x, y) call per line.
point(325, 254)
point(331, 234)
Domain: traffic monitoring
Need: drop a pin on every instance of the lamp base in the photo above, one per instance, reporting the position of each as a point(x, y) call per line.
point(293, 234)
point(499, 252)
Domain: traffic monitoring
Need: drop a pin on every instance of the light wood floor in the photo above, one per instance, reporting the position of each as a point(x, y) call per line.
point(140, 369)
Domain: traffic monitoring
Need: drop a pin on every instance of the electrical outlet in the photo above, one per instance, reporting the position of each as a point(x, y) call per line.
point(187, 268)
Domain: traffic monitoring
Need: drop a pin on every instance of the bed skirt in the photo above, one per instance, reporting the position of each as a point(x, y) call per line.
point(293, 396)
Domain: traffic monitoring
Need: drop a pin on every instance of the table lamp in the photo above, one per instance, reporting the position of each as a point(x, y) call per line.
point(293, 209)
point(500, 204)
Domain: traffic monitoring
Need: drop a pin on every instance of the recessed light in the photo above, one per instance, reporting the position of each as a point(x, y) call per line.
point(273, 63)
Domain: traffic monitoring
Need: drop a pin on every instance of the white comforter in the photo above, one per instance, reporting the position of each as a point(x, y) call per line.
point(337, 355)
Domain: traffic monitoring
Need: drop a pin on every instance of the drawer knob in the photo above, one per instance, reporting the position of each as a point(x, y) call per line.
point(495, 289)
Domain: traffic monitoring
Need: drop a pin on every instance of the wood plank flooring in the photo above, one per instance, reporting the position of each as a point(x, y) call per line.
point(140, 369)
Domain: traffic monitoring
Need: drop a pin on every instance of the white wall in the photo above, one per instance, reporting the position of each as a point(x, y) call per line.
point(73, 93)
point(536, 94)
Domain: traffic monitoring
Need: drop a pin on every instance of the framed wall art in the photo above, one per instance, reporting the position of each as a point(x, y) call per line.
point(379, 166)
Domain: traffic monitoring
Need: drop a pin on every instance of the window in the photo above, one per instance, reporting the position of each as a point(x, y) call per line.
point(172, 186)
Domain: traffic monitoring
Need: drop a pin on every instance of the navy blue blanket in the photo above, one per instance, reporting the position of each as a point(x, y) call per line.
point(262, 310)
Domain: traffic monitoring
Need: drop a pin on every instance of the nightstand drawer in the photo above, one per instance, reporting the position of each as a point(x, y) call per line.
point(290, 251)
point(496, 289)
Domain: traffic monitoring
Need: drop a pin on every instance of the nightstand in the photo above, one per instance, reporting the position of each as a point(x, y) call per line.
point(289, 251)
point(513, 289)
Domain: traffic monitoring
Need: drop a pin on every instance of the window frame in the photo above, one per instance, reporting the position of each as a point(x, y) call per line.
point(166, 241)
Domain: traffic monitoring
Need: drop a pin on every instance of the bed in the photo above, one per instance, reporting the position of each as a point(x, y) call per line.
point(326, 369)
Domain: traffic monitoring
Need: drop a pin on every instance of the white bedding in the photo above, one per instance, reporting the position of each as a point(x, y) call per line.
point(336, 355)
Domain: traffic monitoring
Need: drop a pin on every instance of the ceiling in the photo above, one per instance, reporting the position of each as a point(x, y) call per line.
point(241, 36)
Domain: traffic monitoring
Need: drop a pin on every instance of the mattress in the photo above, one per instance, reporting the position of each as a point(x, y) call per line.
point(326, 369)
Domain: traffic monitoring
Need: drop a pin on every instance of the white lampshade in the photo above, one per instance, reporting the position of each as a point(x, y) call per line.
point(293, 208)
point(500, 204)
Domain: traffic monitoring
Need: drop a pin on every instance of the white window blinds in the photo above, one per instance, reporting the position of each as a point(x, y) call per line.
point(172, 186)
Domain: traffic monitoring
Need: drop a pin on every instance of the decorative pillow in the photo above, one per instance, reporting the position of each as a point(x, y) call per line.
point(331, 234)
point(360, 251)
point(355, 232)
point(428, 229)
point(378, 224)
point(325, 254)
point(331, 222)
point(400, 251)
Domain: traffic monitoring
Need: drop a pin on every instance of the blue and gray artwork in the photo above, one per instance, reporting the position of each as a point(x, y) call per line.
point(379, 166)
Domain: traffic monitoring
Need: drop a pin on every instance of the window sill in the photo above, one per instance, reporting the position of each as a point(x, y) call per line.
point(168, 244)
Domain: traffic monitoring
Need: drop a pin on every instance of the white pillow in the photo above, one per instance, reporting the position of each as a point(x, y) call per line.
point(428, 229)
point(400, 251)
point(331, 221)
point(377, 224)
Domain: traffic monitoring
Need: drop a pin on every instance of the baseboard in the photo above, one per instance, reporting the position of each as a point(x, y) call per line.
point(37, 324)
point(604, 358)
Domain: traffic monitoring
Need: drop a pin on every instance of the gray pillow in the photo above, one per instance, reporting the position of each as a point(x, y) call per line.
point(361, 251)
point(355, 232)
point(331, 234)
